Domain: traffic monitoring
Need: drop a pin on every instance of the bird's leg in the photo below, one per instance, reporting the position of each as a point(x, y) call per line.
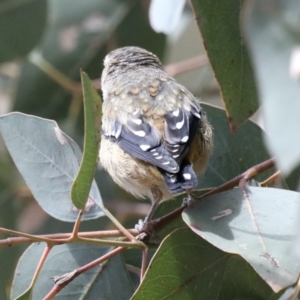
point(142, 225)
point(151, 212)
point(156, 198)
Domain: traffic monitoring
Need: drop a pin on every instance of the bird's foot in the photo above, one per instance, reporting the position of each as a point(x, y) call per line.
point(188, 201)
point(147, 232)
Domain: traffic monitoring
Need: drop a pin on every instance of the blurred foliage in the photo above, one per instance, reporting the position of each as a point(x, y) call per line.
point(272, 31)
point(45, 44)
point(18, 36)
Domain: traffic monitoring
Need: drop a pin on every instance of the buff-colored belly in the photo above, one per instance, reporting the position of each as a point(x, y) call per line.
point(133, 175)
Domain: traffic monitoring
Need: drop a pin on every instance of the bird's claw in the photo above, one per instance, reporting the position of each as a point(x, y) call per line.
point(147, 231)
point(188, 201)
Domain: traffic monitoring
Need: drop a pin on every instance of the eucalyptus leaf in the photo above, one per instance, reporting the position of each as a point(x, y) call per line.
point(98, 282)
point(48, 161)
point(219, 23)
point(187, 267)
point(261, 227)
point(233, 153)
point(273, 35)
point(92, 131)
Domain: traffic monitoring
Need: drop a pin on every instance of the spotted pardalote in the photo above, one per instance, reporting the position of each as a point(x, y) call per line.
point(154, 137)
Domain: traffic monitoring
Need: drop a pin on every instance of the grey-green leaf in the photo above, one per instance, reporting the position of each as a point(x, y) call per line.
point(261, 227)
point(272, 33)
point(48, 161)
point(106, 281)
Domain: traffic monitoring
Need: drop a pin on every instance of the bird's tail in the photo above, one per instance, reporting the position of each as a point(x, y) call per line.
point(184, 180)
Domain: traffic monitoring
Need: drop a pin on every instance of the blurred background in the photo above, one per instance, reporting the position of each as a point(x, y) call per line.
point(44, 44)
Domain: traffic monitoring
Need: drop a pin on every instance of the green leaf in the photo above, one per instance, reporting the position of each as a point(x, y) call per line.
point(272, 32)
point(218, 22)
point(105, 281)
point(261, 227)
point(48, 161)
point(92, 128)
point(187, 267)
point(18, 35)
point(233, 153)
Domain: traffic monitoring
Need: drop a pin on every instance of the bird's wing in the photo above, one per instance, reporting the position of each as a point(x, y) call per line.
point(180, 128)
point(145, 141)
point(142, 140)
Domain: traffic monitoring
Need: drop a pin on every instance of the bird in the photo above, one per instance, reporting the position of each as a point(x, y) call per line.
point(155, 137)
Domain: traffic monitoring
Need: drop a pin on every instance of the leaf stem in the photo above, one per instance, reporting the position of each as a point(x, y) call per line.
point(74, 234)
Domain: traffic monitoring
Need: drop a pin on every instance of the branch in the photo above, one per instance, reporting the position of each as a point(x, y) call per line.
point(58, 237)
point(186, 65)
point(241, 179)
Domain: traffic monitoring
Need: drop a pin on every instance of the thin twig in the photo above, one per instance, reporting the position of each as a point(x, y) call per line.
point(186, 65)
point(241, 179)
point(115, 243)
point(118, 224)
point(33, 238)
point(13, 241)
point(271, 179)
